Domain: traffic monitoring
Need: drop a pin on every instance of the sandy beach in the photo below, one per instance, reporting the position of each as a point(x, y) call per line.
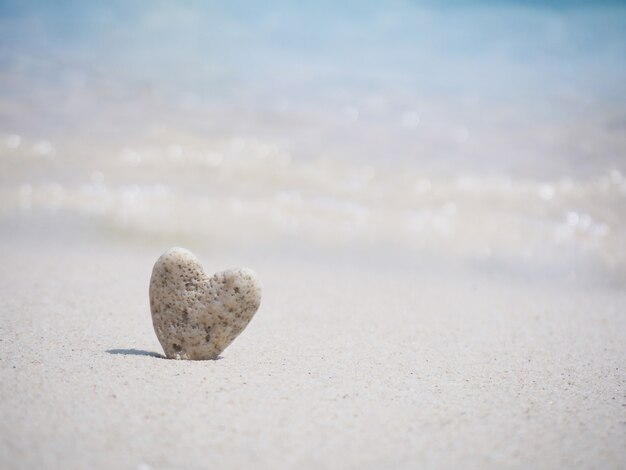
point(341, 368)
point(433, 196)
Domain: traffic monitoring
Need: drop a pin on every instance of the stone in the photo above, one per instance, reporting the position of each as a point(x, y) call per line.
point(196, 316)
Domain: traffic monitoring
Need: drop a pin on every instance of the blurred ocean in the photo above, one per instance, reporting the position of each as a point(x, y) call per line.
point(482, 133)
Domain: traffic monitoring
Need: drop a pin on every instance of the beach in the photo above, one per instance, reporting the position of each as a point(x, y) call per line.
point(340, 368)
point(433, 197)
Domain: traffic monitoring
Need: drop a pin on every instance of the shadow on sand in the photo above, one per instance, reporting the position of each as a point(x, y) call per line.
point(135, 352)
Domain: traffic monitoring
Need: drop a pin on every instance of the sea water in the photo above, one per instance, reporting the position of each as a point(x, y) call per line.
point(489, 134)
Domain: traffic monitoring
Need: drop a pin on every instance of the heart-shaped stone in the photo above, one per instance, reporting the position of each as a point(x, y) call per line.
point(196, 316)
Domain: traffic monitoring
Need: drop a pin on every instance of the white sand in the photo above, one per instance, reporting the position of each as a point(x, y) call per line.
point(433, 195)
point(341, 368)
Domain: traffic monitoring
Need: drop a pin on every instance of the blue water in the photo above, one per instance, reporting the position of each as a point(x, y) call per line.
point(481, 63)
point(471, 130)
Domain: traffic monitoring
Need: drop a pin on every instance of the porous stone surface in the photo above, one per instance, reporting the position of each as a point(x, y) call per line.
point(196, 316)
